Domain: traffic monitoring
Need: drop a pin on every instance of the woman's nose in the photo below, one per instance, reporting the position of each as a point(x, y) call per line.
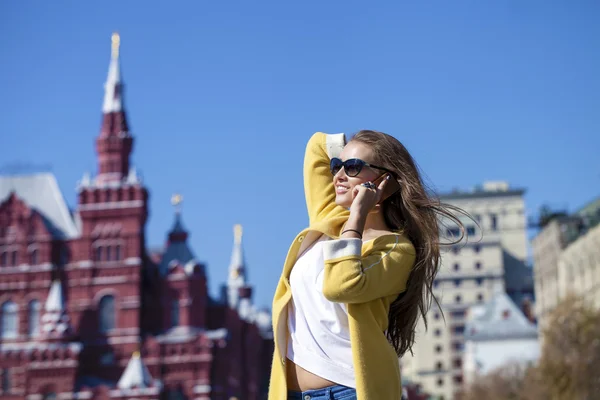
point(341, 175)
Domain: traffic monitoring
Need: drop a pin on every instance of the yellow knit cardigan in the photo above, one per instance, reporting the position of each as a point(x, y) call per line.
point(367, 276)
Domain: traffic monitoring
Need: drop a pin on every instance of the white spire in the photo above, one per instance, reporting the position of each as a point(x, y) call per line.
point(112, 88)
point(237, 256)
point(246, 310)
point(237, 278)
point(136, 375)
point(55, 320)
point(55, 303)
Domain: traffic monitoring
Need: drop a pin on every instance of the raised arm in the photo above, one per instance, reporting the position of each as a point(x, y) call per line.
point(318, 182)
point(351, 278)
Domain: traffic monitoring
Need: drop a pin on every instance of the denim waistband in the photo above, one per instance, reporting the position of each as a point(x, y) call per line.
point(337, 392)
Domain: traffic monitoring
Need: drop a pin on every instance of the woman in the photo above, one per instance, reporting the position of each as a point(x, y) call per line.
point(355, 281)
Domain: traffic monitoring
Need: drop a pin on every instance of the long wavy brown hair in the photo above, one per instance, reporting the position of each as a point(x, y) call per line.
point(414, 211)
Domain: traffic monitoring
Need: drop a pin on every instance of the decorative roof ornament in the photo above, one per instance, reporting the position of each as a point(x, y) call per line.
point(176, 201)
point(116, 43)
point(237, 233)
point(113, 101)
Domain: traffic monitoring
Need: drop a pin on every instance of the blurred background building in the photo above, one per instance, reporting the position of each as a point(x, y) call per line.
point(566, 255)
point(497, 333)
point(492, 259)
point(88, 312)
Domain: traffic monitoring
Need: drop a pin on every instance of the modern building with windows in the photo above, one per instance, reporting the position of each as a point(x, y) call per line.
point(491, 258)
point(88, 312)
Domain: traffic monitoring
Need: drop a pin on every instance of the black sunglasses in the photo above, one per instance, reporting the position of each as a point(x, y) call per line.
point(352, 167)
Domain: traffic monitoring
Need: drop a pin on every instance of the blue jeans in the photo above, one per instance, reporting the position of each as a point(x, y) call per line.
point(337, 392)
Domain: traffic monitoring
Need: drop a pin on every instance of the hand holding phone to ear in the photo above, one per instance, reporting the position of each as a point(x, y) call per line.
point(368, 195)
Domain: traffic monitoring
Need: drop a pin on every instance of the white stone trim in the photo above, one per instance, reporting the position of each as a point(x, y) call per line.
point(339, 248)
point(34, 345)
point(122, 339)
point(109, 280)
point(26, 268)
point(53, 364)
point(200, 389)
point(111, 205)
point(133, 261)
point(85, 264)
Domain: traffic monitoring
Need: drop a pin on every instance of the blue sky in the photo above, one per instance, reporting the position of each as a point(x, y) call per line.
point(222, 96)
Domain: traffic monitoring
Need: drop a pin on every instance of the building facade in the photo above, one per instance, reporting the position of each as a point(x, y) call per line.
point(86, 312)
point(491, 258)
point(566, 254)
point(497, 334)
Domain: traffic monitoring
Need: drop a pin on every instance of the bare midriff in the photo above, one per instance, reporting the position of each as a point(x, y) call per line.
point(300, 380)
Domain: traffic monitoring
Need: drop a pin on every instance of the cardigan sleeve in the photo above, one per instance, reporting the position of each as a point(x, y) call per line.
point(351, 278)
point(318, 182)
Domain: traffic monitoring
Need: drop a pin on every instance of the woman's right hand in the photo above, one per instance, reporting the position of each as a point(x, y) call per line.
point(364, 199)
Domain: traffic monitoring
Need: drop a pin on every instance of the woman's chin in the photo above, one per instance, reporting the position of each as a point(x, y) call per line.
point(343, 201)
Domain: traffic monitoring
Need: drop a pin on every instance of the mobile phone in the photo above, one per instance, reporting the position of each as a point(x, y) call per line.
point(391, 187)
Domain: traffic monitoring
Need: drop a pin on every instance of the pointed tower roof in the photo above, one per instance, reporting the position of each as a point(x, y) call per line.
point(114, 121)
point(113, 96)
point(237, 268)
point(114, 144)
point(178, 251)
point(236, 287)
point(136, 375)
point(55, 321)
point(54, 302)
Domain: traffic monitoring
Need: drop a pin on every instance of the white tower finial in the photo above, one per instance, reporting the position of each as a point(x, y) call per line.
point(116, 43)
point(113, 96)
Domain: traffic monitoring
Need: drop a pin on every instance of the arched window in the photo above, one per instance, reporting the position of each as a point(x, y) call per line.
point(6, 381)
point(64, 256)
point(118, 252)
point(4, 259)
point(33, 257)
point(10, 320)
point(175, 313)
point(107, 313)
point(13, 259)
point(34, 317)
point(175, 394)
point(108, 253)
point(99, 253)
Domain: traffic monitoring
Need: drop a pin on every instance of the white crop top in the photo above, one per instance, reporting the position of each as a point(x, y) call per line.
point(319, 338)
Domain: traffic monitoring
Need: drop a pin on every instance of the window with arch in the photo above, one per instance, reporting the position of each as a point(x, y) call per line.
point(106, 312)
point(10, 320)
point(175, 394)
point(4, 259)
point(14, 258)
point(108, 253)
point(33, 316)
point(174, 313)
point(117, 252)
point(98, 254)
point(33, 257)
point(64, 255)
point(6, 381)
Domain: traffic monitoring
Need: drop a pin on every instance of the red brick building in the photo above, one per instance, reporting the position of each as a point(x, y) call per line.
point(87, 313)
